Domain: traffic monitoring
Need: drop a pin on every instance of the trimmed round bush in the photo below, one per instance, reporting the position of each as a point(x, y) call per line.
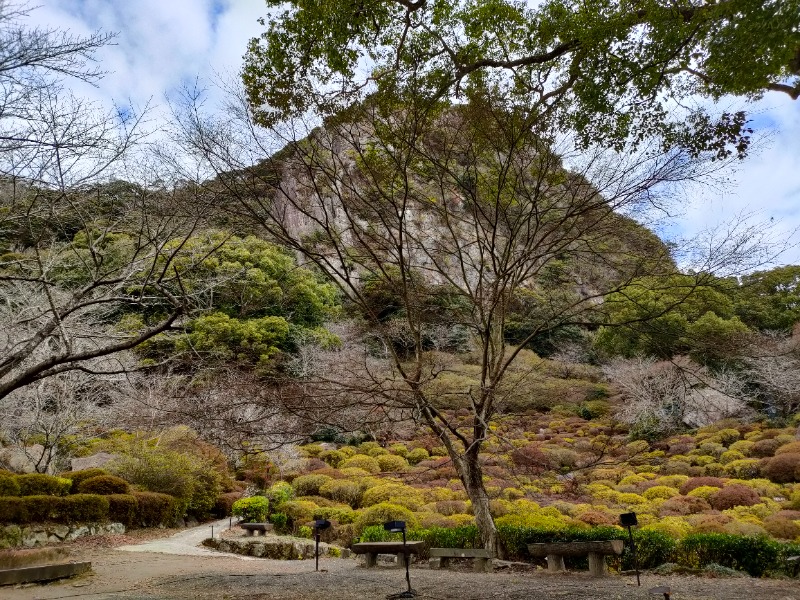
point(683, 505)
point(376, 452)
point(782, 528)
point(764, 448)
point(704, 492)
point(696, 482)
point(790, 448)
point(734, 495)
point(361, 461)
point(122, 508)
point(782, 468)
point(391, 492)
point(9, 486)
point(730, 456)
point(84, 508)
point(417, 455)
point(12, 510)
point(660, 491)
point(104, 485)
point(342, 490)
point(39, 484)
point(251, 510)
point(746, 468)
point(299, 511)
point(333, 457)
point(155, 509)
point(392, 463)
point(399, 450)
point(308, 485)
point(596, 518)
point(383, 512)
point(78, 476)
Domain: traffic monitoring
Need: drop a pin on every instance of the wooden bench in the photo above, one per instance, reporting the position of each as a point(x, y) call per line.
point(251, 528)
point(597, 552)
point(481, 559)
point(370, 550)
point(793, 562)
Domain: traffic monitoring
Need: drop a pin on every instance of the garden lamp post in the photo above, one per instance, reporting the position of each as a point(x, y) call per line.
point(318, 525)
point(629, 520)
point(400, 527)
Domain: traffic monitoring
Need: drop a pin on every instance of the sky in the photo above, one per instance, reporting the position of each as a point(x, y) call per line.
point(164, 45)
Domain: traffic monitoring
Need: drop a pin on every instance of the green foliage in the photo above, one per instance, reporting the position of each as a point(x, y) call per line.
point(769, 300)
point(34, 484)
point(417, 455)
point(12, 510)
point(360, 461)
point(383, 512)
point(342, 490)
point(103, 485)
point(78, 476)
point(251, 510)
point(434, 537)
point(195, 482)
point(653, 548)
point(122, 508)
point(756, 555)
point(515, 538)
point(155, 509)
point(280, 492)
point(308, 485)
point(9, 486)
point(280, 521)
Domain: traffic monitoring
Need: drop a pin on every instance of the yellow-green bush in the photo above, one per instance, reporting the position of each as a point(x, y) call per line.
point(376, 452)
point(704, 492)
point(342, 490)
point(675, 527)
point(389, 491)
point(729, 456)
point(39, 484)
point(383, 512)
point(742, 446)
point(361, 461)
point(308, 485)
point(417, 455)
point(348, 451)
point(300, 511)
point(333, 457)
point(392, 463)
point(714, 470)
point(660, 491)
point(744, 468)
point(399, 450)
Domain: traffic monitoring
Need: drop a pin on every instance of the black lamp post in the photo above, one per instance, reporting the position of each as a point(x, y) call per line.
point(629, 520)
point(318, 526)
point(400, 527)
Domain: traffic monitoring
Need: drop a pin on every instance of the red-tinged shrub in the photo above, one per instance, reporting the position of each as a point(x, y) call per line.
point(451, 507)
point(530, 459)
point(764, 448)
point(224, 504)
point(696, 482)
point(782, 468)
point(734, 495)
point(781, 527)
point(104, 485)
point(790, 448)
point(596, 517)
point(710, 523)
point(679, 506)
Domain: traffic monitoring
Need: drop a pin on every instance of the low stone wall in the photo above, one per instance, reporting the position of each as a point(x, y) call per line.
point(31, 536)
point(278, 548)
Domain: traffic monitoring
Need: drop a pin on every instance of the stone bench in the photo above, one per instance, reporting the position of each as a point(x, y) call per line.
point(251, 528)
point(481, 559)
point(371, 550)
point(597, 552)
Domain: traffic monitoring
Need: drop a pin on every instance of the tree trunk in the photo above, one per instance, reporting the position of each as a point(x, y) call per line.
point(471, 474)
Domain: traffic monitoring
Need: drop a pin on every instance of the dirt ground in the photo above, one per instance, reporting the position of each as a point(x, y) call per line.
point(157, 576)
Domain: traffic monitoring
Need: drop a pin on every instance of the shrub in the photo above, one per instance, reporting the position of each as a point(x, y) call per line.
point(683, 505)
point(299, 511)
point(9, 486)
point(223, 505)
point(387, 492)
point(734, 495)
point(653, 548)
point(596, 517)
point(376, 452)
point(782, 468)
point(383, 512)
point(764, 448)
point(122, 508)
point(790, 448)
point(341, 515)
point(78, 476)
point(360, 461)
point(730, 456)
point(155, 509)
point(417, 455)
point(308, 485)
point(704, 492)
point(756, 555)
point(104, 485)
point(782, 528)
point(392, 463)
point(399, 450)
point(333, 457)
point(83, 508)
point(280, 521)
point(280, 492)
point(342, 490)
point(745, 468)
point(39, 484)
point(12, 510)
point(696, 482)
point(660, 491)
point(251, 510)
point(516, 538)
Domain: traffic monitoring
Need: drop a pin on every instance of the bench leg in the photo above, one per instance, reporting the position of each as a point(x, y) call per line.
point(250, 532)
point(262, 533)
point(370, 560)
point(555, 563)
point(482, 565)
point(435, 563)
point(597, 564)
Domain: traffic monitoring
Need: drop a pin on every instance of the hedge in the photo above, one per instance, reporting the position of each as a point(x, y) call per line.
point(79, 476)
point(39, 484)
point(156, 509)
point(122, 508)
point(104, 485)
point(8, 485)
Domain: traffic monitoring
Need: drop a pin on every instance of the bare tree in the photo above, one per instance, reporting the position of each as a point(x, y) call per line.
point(463, 218)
